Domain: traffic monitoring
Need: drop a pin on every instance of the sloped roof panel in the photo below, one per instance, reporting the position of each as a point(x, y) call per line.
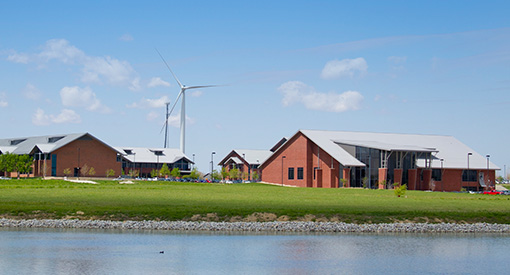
point(453, 152)
point(254, 157)
point(148, 155)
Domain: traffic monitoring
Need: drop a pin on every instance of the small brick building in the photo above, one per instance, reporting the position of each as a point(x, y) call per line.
point(77, 154)
point(332, 159)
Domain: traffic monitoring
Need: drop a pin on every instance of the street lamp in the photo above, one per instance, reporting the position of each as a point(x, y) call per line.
point(212, 154)
point(282, 168)
point(193, 164)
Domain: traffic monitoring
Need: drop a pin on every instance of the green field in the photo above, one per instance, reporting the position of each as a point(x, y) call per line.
point(37, 198)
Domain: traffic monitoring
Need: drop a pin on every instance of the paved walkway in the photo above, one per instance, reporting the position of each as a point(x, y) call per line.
point(500, 187)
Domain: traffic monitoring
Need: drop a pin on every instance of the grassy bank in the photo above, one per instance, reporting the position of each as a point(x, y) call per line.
point(36, 198)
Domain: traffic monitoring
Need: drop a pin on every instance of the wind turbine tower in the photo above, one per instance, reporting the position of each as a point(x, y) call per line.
point(166, 125)
point(183, 105)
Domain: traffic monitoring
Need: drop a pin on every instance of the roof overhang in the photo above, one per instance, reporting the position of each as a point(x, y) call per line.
point(386, 146)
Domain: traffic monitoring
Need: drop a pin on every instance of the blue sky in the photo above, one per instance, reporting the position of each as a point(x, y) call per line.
point(425, 67)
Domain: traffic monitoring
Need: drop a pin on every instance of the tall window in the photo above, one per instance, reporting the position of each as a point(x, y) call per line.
point(469, 175)
point(437, 175)
point(291, 173)
point(300, 173)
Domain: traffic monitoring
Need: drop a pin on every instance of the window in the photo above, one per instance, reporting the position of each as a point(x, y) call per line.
point(291, 173)
point(54, 139)
point(300, 173)
point(17, 141)
point(437, 175)
point(469, 175)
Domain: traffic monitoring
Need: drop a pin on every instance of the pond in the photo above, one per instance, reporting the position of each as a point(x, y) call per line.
point(50, 251)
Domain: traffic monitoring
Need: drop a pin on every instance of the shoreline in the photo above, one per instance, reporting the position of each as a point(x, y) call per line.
point(270, 227)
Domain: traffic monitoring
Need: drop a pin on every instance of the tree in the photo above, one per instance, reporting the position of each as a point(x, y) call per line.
point(110, 173)
point(215, 175)
point(176, 173)
point(133, 173)
point(67, 172)
point(224, 173)
point(400, 190)
point(92, 171)
point(255, 176)
point(8, 162)
point(344, 182)
point(164, 170)
point(84, 169)
point(234, 174)
point(244, 175)
point(194, 174)
point(23, 164)
point(365, 182)
point(154, 173)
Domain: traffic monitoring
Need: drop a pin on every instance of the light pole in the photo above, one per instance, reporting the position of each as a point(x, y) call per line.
point(193, 165)
point(212, 155)
point(134, 163)
point(488, 178)
point(282, 168)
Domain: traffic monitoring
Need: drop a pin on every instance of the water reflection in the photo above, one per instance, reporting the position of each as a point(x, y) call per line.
point(40, 251)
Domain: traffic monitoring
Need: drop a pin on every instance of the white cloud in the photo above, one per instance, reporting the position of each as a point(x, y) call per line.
point(31, 92)
point(197, 93)
point(82, 97)
point(157, 81)
point(19, 58)
point(3, 100)
point(110, 70)
point(344, 68)
point(152, 116)
point(94, 69)
point(40, 118)
point(298, 92)
point(397, 59)
point(150, 103)
point(126, 37)
point(60, 50)
point(175, 121)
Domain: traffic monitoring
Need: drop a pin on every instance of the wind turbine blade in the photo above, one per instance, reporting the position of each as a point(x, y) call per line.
point(176, 79)
point(205, 86)
point(171, 110)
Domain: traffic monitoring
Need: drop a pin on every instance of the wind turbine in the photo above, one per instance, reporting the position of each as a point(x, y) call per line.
point(183, 104)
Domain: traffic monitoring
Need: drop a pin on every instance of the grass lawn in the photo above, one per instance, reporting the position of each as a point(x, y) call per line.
point(37, 198)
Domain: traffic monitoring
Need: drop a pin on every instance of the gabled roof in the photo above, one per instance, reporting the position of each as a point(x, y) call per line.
point(453, 152)
point(45, 144)
point(152, 155)
point(251, 157)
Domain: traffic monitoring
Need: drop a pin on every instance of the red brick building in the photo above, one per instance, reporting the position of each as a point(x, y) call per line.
point(72, 153)
point(330, 159)
point(78, 154)
point(246, 161)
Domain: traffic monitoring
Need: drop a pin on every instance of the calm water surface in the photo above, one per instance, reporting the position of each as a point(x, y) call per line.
point(43, 251)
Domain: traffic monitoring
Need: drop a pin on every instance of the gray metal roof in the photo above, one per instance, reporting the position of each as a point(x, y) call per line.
point(386, 146)
point(453, 152)
point(152, 155)
point(254, 157)
point(46, 144)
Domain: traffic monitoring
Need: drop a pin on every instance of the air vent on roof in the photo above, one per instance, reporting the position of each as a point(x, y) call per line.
point(128, 151)
point(54, 139)
point(17, 141)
